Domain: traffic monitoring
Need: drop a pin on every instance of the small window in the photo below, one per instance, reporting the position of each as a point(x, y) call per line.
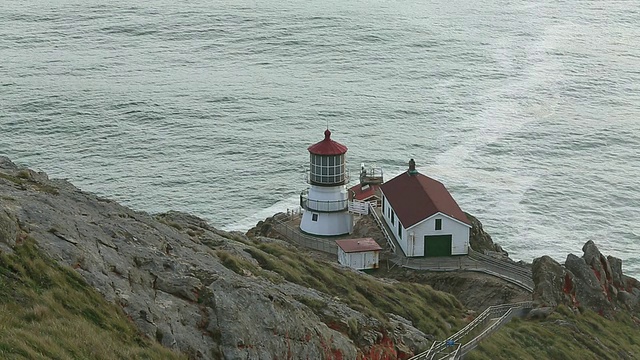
point(399, 230)
point(393, 217)
point(438, 224)
point(314, 217)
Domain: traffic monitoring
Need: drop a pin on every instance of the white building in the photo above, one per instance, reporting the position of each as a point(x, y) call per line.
point(424, 219)
point(326, 202)
point(359, 254)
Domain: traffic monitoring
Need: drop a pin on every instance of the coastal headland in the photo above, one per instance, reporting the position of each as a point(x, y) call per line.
point(75, 263)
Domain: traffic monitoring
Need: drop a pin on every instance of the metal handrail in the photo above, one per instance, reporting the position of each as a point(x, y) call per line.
point(372, 210)
point(322, 205)
point(506, 313)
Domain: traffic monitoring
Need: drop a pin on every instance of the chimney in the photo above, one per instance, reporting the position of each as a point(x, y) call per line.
point(412, 167)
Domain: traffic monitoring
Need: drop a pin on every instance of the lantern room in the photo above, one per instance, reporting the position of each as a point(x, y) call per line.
point(327, 162)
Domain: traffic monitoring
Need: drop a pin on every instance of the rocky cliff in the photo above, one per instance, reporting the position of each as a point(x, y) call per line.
point(208, 293)
point(481, 241)
point(593, 282)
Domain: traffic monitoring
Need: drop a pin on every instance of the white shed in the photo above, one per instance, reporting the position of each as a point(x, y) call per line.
point(423, 216)
point(359, 254)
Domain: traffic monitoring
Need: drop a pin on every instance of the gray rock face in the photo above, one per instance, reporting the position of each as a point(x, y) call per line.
point(592, 281)
point(549, 278)
point(541, 312)
point(481, 241)
point(616, 271)
point(8, 230)
point(588, 291)
point(166, 274)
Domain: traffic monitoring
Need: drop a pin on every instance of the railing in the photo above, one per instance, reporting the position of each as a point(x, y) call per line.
point(504, 319)
point(359, 207)
point(372, 175)
point(372, 210)
point(504, 311)
point(294, 234)
point(514, 273)
point(322, 205)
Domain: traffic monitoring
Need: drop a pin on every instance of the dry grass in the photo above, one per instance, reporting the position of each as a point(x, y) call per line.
point(24, 178)
point(564, 335)
point(48, 312)
point(430, 310)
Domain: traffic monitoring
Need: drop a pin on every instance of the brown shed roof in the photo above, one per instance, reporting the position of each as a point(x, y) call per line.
point(363, 192)
point(417, 197)
point(358, 245)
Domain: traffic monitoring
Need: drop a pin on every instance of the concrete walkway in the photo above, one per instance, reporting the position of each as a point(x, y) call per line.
point(475, 261)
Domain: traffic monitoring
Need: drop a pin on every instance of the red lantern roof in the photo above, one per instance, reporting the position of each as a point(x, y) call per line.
point(327, 146)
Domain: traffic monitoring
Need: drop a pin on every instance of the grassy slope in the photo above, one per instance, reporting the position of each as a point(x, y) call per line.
point(433, 312)
point(48, 312)
point(564, 335)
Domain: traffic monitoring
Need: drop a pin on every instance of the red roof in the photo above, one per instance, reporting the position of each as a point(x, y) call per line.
point(327, 146)
point(358, 245)
point(417, 197)
point(363, 192)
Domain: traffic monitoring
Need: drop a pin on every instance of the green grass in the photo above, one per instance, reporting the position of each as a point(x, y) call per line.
point(430, 310)
point(564, 335)
point(24, 178)
point(49, 312)
point(13, 179)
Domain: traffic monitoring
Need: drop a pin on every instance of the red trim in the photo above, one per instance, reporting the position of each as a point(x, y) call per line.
point(327, 146)
point(417, 197)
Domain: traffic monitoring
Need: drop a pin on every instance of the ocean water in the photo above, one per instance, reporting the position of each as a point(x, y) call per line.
point(528, 111)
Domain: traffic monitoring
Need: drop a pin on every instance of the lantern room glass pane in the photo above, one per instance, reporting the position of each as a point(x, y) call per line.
point(330, 169)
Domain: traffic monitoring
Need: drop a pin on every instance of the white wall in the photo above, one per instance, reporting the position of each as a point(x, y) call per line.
point(371, 260)
point(414, 245)
point(459, 233)
point(359, 260)
point(402, 240)
point(327, 223)
point(327, 198)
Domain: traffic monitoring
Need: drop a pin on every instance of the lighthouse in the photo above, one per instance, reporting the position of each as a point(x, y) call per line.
point(326, 202)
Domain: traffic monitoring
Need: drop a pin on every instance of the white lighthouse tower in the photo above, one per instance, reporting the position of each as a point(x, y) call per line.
point(326, 202)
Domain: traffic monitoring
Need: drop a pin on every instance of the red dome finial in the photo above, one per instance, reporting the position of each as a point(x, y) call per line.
point(327, 146)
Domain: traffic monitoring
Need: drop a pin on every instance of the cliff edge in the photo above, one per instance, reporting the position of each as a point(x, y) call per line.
point(212, 294)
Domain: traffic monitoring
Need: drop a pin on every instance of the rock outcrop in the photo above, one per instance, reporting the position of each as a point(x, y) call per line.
point(480, 241)
point(168, 273)
point(592, 281)
point(264, 228)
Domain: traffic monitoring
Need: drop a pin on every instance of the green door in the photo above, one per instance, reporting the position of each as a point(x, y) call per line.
point(437, 245)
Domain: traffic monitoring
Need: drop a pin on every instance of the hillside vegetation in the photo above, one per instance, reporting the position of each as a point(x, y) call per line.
point(48, 312)
point(171, 279)
point(564, 335)
point(433, 312)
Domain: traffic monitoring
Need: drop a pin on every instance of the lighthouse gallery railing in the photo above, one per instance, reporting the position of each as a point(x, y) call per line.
point(322, 205)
